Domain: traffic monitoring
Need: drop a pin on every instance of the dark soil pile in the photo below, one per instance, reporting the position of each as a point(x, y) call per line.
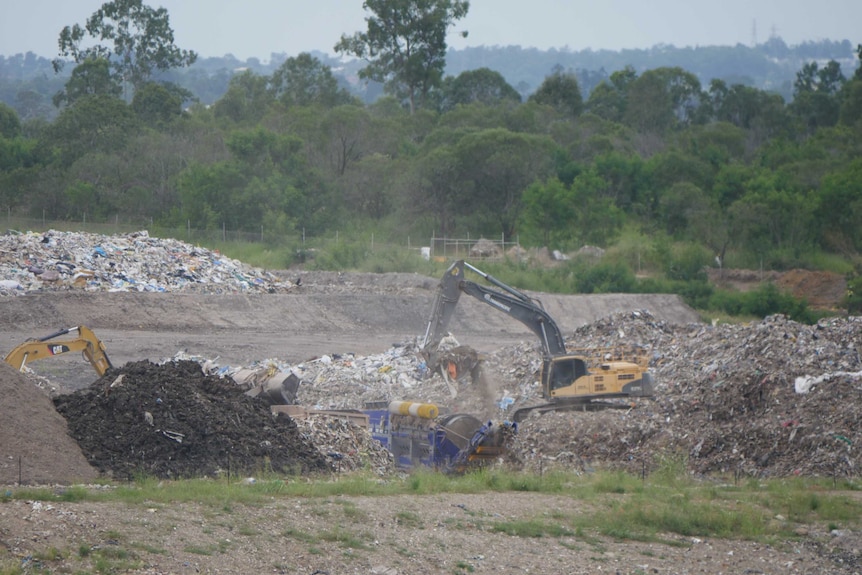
point(172, 421)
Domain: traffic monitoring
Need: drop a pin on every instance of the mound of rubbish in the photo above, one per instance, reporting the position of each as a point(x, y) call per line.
point(767, 398)
point(770, 398)
point(172, 420)
point(56, 261)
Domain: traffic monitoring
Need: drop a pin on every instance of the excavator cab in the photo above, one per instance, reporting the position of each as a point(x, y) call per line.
point(559, 373)
point(569, 377)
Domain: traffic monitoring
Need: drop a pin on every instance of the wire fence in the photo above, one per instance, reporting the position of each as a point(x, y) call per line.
point(438, 247)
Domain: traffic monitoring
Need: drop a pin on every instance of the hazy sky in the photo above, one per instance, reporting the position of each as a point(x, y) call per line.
point(258, 28)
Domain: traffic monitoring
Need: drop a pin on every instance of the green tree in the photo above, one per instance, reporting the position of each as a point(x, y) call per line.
point(205, 191)
point(762, 113)
point(772, 220)
point(368, 188)
point(597, 220)
point(840, 209)
point(140, 40)
point(624, 176)
point(815, 94)
point(436, 188)
point(548, 213)
point(483, 86)
point(679, 206)
point(157, 105)
point(304, 80)
point(851, 102)
point(247, 99)
point(716, 143)
point(662, 99)
point(608, 100)
point(92, 124)
point(89, 78)
point(405, 44)
point(345, 133)
point(10, 125)
point(496, 166)
point(262, 151)
point(561, 91)
point(675, 166)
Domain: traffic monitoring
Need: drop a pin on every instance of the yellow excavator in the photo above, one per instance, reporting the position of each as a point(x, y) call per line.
point(570, 381)
point(53, 345)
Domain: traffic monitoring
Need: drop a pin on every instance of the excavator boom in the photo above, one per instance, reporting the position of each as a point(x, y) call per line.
point(518, 305)
point(52, 345)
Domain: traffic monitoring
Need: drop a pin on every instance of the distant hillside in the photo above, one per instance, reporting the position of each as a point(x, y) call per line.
point(28, 82)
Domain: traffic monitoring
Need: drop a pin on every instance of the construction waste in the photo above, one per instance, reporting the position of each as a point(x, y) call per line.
point(56, 260)
point(768, 398)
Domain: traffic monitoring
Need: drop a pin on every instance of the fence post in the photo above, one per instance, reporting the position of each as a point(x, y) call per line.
point(372, 241)
point(223, 232)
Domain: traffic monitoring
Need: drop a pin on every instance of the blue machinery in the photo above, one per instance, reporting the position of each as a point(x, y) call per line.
point(414, 435)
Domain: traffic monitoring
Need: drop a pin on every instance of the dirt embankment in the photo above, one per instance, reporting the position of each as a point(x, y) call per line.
point(822, 290)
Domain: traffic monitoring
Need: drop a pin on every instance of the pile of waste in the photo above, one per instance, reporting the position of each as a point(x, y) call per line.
point(767, 398)
point(770, 398)
point(56, 260)
point(171, 420)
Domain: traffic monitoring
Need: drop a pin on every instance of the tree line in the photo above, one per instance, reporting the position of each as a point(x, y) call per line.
point(723, 169)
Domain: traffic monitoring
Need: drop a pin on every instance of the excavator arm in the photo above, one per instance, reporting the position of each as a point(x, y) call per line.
point(507, 299)
point(568, 382)
point(52, 345)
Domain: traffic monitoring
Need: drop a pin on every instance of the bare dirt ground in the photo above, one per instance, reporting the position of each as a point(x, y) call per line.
point(329, 313)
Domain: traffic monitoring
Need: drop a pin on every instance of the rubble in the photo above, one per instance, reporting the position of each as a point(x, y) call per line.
point(55, 260)
point(767, 398)
point(172, 421)
point(485, 249)
point(726, 402)
point(347, 446)
point(727, 398)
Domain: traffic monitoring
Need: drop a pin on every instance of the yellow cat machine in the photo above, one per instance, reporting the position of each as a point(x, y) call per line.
point(569, 381)
point(83, 340)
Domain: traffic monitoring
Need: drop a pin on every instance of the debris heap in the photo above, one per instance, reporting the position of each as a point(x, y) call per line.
point(172, 421)
point(771, 398)
point(768, 398)
point(57, 260)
